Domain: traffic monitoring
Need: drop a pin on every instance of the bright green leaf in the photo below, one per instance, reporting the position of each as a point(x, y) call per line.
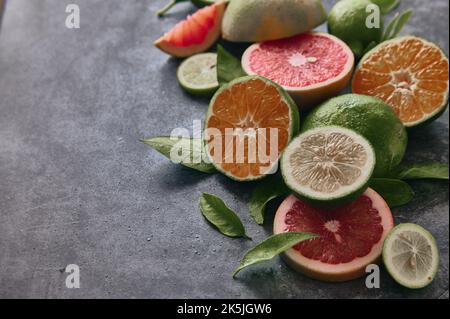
point(182, 150)
point(222, 217)
point(271, 247)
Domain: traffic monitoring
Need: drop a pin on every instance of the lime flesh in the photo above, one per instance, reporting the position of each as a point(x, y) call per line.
point(198, 74)
point(411, 256)
point(328, 166)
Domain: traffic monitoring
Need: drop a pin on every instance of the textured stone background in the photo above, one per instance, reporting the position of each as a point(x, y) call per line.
point(76, 186)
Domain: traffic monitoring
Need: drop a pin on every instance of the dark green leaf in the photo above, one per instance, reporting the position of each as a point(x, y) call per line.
point(218, 214)
point(182, 150)
point(168, 6)
point(369, 47)
point(402, 20)
point(394, 191)
point(396, 25)
point(423, 171)
point(386, 6)
point(267, 190)
point(390, 27)
point(271, 247)
point(228, 66)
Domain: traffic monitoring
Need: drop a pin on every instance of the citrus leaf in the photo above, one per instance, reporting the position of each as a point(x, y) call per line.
point(390, 27)
point(168, 6)
point(267, 190)
point(394, 191)
point(271, 247)
point(423, 171)
point(223, 218)
point(396, 25)
point(386, 6)
point(402, 20)
point(228, 66)
point(191, 151)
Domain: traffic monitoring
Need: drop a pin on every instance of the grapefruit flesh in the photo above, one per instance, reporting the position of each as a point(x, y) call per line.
point(410, 74)
point(241, 123)
point(311, 67)
point(197, 33)
point(351, 237)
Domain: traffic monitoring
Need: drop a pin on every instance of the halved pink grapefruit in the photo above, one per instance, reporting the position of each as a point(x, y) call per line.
point(311, 67)
point(351, 237)
point(197, 33)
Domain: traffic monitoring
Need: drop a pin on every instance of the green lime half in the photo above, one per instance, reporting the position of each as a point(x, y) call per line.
point(328, 166)
point(370, 117)
point(198, 74)
point(411, 256)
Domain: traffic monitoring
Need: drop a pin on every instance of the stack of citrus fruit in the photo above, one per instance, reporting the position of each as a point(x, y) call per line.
point(252, 123)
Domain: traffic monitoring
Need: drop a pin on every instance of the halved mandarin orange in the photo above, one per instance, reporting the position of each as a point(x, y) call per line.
point(408, 73)
point(249, 123)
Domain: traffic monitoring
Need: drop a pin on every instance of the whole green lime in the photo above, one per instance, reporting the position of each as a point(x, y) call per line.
point(352, 22)
point(370, 117)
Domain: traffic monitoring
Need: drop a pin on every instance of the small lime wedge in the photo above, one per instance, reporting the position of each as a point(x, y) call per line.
point(198, 74)
point(411, 256)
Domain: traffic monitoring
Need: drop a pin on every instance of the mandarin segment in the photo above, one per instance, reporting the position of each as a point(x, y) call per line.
point(250, 109)
point(410, 74)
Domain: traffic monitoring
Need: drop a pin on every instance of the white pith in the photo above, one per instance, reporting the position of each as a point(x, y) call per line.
point(347, 68)
point(335, 272)
point(411, 256)
point(297, 160)
point(193, 70)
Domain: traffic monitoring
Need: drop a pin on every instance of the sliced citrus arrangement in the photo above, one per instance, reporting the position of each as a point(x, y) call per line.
point(411, 256)
point(410, 74)
point(195, 34)
point(248, 125)
point(311, 67)
point(198, 74)
point(351, 237)
point(328, 166)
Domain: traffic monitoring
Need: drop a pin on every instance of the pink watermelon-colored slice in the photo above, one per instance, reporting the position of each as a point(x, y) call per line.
point(197, 33)
point(351, 237)
point(311, 67)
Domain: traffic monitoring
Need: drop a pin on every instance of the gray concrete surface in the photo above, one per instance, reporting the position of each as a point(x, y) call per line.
point(76, 186)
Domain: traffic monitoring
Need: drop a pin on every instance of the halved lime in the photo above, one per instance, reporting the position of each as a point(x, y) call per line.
point(411, 256)
point(198, 74)
point(328, 166)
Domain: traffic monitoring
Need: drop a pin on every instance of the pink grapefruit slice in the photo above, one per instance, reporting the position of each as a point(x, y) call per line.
point(311, 67)
point(197, 33)
point(351, 237)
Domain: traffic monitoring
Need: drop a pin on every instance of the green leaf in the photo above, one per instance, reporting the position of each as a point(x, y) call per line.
point(396, 25)
point(182, 150)
point(387, 6)
point(228, 66)
point(370, 46)
point(390, 27)
point(168, 6)
point(267, 190)
point(402, 20)
point(218, 214)
point(422, 171)
point(271, 247)
point(394, 191)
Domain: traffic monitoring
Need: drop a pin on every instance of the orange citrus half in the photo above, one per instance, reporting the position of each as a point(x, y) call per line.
point(249, 123)
point(408, 73)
